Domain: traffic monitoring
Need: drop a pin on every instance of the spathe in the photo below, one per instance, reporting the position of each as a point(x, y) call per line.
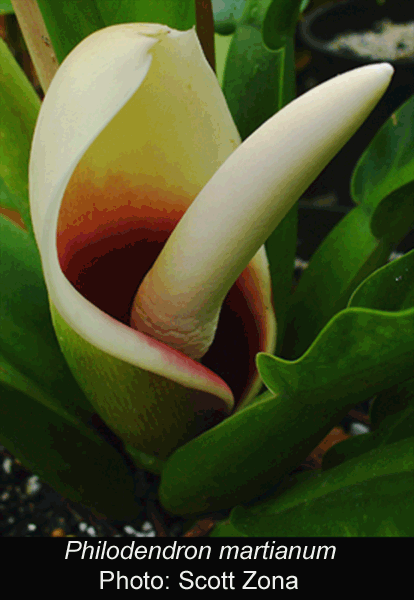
point(132, 127)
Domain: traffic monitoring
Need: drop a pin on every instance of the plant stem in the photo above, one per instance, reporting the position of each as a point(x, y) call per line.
point(37, 39)
point(205, 30)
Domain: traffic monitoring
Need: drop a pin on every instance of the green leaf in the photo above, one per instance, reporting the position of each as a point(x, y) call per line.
point(73, 460)
point(221, 47)
point(226, 14)
point(348, 449)
point(43, 412)
point(383, 186)
point(225, 529)
point(370, 495)
point(389, 288)
point(179, 15)
point(392, 429)
point(261, 58)
point(28, 344)
point(7, 199)
point(145, 461)
point(347, 255)
point(358, 354)
point(388, 162)
point(396, 407)
point(252, 69)
point(19, 107)
point(6, 7)
point(205, 474)
point(392, 403)
point(69, 21)
point(281, 251)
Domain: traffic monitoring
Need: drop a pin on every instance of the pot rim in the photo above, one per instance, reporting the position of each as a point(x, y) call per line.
point(315, 43)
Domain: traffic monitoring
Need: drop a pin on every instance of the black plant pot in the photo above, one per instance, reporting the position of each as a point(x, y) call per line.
point(316, 31)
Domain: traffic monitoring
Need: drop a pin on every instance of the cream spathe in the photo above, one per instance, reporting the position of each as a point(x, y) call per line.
point(131, 129)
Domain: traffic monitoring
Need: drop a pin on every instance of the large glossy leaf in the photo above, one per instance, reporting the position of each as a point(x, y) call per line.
point(348, 449)
point(390, 288)
point(226, 14)
point(6, 7)
point(396, 412)
point(360, 352)
point(392, 403)
point(70, 21)
point(388, 162)
point(346, 256)
point(383, 187)
point(395, 428)
point(370, 495)
point(261, 61)
point(225, 529)
point(73, 460)
point(221, 47)
point(28, 343)
point(7, 199)
point(19, 106)
point(281, 249)
point(43, 412)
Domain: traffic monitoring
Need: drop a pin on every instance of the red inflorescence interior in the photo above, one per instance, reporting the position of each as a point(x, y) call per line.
point(108, 269)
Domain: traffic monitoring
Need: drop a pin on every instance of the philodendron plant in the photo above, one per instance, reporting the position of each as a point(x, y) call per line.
point(147, 287)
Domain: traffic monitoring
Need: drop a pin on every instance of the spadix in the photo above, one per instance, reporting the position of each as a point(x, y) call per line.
point(180, 299)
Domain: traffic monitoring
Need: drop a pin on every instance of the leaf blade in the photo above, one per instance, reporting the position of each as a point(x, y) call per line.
point(367, 496)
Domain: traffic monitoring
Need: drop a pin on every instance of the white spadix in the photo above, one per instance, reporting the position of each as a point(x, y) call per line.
point(180, 299)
